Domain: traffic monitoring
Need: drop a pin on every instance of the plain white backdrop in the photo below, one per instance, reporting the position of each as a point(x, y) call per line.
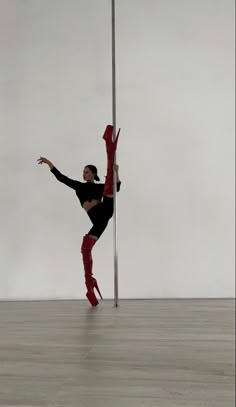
point(175, 107)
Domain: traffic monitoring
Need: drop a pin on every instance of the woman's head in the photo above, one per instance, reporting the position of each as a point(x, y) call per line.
point(90, 173)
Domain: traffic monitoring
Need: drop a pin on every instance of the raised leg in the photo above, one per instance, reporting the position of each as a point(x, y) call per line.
point(110, 149)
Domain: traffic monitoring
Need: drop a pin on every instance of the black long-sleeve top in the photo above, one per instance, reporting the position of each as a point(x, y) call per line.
point(85, 191)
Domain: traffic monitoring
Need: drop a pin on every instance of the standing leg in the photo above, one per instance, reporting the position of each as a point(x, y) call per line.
point(99, 216)
point(91, 283)
point(110, 149)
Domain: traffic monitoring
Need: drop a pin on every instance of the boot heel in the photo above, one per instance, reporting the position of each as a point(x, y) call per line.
point(97, 288)
point(116, 139)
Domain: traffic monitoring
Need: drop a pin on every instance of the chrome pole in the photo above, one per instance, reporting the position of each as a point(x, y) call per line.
point(116, 303)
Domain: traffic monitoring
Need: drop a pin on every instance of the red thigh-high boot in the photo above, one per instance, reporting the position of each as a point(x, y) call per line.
point(91, 283)
point(110, 149)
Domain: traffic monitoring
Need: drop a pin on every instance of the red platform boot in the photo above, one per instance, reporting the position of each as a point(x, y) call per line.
point(90, 281)
point(110, 149)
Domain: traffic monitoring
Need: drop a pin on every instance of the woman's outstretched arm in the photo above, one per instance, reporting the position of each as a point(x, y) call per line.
point(59, 176)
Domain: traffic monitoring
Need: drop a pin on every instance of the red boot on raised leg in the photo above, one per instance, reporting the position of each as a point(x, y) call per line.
point(110, 149)
point(107, 136)
point(90, 281)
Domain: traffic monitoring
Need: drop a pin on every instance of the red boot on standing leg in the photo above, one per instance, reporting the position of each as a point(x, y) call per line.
point(90, 281)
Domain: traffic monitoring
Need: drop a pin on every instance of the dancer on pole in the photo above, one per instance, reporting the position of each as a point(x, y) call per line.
point(97, 201)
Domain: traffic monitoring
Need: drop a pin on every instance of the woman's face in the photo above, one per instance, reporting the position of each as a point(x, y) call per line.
point(88, 175)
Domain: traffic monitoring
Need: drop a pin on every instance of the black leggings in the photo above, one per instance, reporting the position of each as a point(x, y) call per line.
point(100, 215)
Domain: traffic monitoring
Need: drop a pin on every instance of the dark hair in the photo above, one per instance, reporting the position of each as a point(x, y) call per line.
point(94, 171)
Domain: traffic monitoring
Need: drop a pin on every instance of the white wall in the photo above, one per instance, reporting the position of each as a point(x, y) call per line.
point(175, 105)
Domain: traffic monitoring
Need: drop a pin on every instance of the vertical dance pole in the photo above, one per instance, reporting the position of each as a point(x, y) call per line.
point(116, 304)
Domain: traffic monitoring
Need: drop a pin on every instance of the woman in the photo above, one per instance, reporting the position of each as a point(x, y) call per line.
point(97, 200)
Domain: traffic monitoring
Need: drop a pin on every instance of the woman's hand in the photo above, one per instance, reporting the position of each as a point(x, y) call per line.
point(43, 160)
point(116, 168)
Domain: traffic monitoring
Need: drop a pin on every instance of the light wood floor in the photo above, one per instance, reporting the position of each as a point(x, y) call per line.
point(154, 353)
